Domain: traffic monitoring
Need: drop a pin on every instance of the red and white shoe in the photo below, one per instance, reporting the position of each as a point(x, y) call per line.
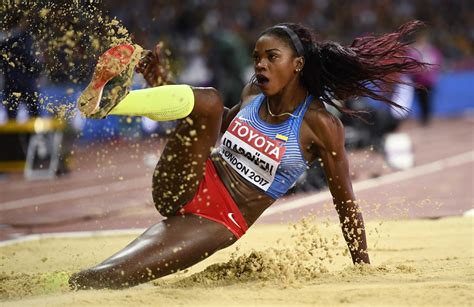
point(110, 82)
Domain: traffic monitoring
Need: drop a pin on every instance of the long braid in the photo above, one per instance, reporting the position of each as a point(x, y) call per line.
point(370, 66)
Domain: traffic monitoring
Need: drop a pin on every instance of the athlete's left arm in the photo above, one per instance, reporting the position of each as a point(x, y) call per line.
point(329, 146)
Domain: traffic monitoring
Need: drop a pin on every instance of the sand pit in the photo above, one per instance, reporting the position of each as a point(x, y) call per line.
point(415, 262)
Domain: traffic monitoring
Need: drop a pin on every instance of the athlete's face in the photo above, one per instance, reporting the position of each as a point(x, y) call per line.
point(275, 64)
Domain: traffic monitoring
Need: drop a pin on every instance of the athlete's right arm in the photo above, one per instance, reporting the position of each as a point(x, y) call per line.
point(154, 66)
point(248, 93)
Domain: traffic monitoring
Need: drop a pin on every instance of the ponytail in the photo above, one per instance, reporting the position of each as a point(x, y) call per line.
point(370, 66)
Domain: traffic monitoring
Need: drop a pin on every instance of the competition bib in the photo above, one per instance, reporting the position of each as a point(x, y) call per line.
point(251, 153)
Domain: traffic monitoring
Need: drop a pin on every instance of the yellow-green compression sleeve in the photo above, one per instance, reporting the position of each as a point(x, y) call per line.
point(162, 103)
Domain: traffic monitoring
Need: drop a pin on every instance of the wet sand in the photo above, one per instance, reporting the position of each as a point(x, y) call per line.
point(415, 262)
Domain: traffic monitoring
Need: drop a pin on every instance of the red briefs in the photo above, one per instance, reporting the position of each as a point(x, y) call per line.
point(213, 201)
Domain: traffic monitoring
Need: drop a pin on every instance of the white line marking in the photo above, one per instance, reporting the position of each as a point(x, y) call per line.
point(417, 171)
point(74, 234)
point(74, 194)
point(469, 213)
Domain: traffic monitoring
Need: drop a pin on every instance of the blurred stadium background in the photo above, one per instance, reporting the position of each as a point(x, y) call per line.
point(211, 41)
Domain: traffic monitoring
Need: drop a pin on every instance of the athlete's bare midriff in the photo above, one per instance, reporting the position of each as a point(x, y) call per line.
point(250, 200)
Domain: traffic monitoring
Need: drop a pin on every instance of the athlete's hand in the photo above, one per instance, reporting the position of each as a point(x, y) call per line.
point(154, 66)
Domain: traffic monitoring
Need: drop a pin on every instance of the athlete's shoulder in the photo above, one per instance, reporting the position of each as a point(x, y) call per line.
point(318, 116)
point(323, 123)
point(249, 93)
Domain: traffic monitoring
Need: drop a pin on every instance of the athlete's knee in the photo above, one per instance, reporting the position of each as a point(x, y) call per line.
point(164, 207)
point(207, 103)
point(168, 204)
point(161, 201)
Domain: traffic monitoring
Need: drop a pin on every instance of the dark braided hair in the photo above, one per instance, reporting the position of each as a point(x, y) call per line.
point(369, 67)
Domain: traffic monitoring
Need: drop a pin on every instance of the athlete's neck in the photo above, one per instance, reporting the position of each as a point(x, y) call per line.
point(287, 100)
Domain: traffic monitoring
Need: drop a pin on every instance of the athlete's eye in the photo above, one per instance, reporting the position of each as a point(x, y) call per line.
point(272, 57)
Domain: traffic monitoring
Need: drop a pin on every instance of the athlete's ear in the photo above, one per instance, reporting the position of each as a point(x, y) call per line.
point(299, 64)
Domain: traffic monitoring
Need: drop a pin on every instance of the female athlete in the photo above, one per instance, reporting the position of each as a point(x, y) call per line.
point(211, 195)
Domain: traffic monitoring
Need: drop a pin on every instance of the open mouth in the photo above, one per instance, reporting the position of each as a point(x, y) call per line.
point(261, 80)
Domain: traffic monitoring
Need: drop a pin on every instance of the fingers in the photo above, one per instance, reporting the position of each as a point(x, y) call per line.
point(144, 61)
point(150, 65)
point(149, 72)
point(157, 56)
point(158, 48)
point(150, 58)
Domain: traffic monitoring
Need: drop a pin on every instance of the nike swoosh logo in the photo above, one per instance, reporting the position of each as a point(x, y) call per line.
point(231, 217)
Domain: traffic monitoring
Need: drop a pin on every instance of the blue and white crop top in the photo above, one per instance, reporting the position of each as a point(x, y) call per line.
point(267, 155)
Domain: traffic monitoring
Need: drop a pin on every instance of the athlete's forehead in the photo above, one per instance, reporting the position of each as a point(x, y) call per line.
point(267, 43)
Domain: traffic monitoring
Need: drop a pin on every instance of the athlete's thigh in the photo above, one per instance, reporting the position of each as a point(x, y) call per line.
point(183, 161)
point(173, 244)
point(166, 247)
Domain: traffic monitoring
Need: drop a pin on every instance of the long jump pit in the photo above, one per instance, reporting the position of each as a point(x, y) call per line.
point(415, 262)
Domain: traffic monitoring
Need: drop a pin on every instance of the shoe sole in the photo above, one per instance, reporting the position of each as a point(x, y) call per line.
point(111, 64)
